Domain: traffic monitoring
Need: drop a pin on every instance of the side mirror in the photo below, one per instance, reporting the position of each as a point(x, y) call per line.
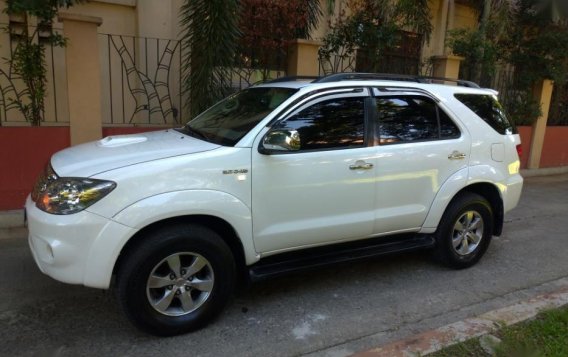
point(280, 141)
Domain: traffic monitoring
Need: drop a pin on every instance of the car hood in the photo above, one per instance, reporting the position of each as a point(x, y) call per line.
point(117, 151)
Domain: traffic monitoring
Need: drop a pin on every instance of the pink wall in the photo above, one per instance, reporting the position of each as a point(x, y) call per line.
point(555, 148)
point(24, 151)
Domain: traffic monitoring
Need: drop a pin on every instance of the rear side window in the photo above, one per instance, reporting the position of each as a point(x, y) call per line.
point(405, 119)
point(490, 110)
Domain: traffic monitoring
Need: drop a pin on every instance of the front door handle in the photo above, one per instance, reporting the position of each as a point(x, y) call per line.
point(361, 165)
point(456, 155)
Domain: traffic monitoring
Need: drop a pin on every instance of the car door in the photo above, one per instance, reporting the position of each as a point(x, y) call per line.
point(324, 190)
point(419, 147)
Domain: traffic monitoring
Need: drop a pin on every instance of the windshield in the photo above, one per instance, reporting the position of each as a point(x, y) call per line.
point(228, 121)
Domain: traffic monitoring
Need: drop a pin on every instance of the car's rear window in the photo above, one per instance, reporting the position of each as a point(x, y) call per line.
point(488, 108)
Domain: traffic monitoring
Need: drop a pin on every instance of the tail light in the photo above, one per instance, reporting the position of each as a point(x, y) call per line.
point(519, 150)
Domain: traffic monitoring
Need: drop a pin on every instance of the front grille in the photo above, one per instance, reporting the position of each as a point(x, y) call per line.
point(46, 176)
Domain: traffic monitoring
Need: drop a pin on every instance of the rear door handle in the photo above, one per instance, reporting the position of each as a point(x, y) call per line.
point(456, 155)
point(361, 165)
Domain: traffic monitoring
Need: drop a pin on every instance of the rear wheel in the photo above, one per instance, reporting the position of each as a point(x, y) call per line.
point(177, 280)
point(465, 231)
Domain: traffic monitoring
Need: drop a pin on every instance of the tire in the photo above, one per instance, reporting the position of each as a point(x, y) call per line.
point(460, 248)
point(177, 280)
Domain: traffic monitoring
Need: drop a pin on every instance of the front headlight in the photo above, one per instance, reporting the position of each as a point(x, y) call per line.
point(67, 195)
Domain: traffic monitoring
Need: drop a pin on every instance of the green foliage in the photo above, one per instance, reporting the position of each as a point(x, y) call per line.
point(547, 335)
point(27, 61)
point(44, 10)
point(375, 26)
point(28, 58)
point(539, 46)
point(544, 336)
point(483, 47)
point(530, 36)
point(210, 34)
point(314, 12)
point(217, 35)
point(559, 106)
point(521, 107)
point(478, 51)
point(485, 54)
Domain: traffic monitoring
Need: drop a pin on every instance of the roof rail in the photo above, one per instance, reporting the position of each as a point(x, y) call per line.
point(391, 77)
point(355, 76)
point(407, 89)
point(292, 78)
point(459, 82)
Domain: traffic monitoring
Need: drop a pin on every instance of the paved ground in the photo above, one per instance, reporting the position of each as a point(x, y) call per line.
point(331, 312)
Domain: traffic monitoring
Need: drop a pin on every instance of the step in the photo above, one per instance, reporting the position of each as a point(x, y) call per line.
point(291, 262)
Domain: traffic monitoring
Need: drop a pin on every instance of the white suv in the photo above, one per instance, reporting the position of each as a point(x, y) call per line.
point(282, 176)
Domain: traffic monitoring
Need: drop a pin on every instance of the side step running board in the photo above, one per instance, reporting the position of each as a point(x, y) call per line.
point(317, 257)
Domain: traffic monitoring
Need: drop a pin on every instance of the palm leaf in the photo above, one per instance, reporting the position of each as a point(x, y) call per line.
point(210, 33)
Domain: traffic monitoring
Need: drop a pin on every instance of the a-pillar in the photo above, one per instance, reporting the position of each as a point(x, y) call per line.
point(542, 93)
point(447, 66)
point(303, 58)
point(83, 76)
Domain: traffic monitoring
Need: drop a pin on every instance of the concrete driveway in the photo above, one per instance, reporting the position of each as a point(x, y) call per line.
point(331, 312)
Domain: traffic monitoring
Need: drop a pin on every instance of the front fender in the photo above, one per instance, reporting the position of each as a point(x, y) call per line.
point(193, 202)
point(163, 206)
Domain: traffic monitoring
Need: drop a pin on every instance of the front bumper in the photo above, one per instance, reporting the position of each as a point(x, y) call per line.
point(80, 248)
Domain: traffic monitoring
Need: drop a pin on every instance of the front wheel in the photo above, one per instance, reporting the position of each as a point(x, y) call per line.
point(177, 280)
point(465, 231)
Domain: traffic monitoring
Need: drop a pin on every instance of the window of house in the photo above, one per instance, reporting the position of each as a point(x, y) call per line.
point(401, 58)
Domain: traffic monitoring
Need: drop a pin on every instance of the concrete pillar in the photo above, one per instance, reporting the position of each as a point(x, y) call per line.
point(542, 93)
point(83, 76)
point(303, 58)
point(447, 66)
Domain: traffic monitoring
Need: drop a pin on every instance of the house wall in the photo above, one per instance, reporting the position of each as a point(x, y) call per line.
point(24, 152)
point(555, 147)
point(145, 28)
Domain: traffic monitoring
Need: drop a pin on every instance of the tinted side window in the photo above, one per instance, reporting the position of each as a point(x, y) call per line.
point(330, 124)
point(448, 129)
point(488, 109)
point(407, 118)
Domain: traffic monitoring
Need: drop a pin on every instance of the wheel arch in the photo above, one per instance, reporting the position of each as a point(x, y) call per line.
point(458, 184)
point(487, 190)
point(491, 193)
point(219, 225)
